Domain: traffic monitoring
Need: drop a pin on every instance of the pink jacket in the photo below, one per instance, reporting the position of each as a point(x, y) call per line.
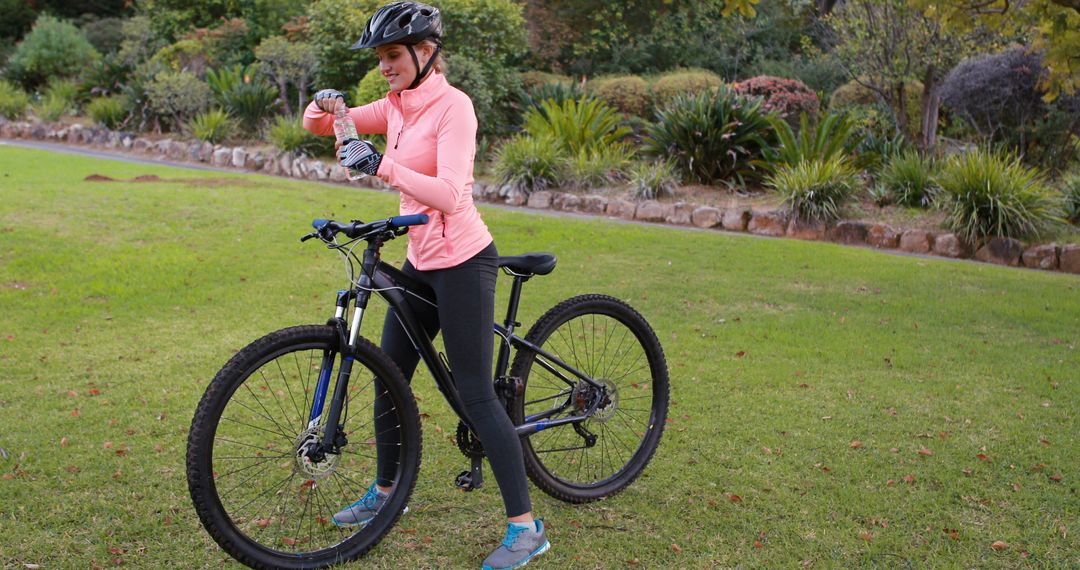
point(430, 145)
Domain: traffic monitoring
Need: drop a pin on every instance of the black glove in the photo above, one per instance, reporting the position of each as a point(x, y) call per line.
point(360, 156)
point(329, 94)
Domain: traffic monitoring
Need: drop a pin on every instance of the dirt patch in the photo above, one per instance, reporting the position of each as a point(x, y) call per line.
point(20, 285)
point(206, 182)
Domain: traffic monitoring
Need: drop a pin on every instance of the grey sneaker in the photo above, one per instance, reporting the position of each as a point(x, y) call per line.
point(519, 547)
point(363, 510)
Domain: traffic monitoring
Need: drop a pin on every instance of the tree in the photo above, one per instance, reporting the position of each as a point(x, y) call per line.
point(885, 44)
point(1054, 26)
point(288, 63)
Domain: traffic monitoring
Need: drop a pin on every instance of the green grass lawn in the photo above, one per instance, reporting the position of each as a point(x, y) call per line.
point(831, 406)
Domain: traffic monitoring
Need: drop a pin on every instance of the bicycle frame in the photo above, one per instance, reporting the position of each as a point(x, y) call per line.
point(393, 285)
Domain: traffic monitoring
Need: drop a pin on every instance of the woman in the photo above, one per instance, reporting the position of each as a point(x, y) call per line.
point(431, 140)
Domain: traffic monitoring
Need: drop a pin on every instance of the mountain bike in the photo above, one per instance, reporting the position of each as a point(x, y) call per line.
point(276, 448)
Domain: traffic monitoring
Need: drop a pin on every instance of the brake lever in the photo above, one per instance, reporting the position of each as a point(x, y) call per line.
point(309, 236)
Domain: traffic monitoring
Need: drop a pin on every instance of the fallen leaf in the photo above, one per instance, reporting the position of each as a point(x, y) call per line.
point(757, 544)
point(289, 541)
point(867, 536)
point(121, 452)
point(890, 483)
point(633, 562)
point(115, 550)
point(1056, 477)
point(7, 476)
point(952, 533)
point(72, 393)
point(740, 354)
point(982, 457)
point(909, 479)
point(73, 469)
point(856, 444)
point(924, 451)
point(894, 450)
point(75, 412)
point(675, 547)
point(63, 442)
point(168, 520)
point(966, 472)
point(1016, 486)
point(408, 530)
point(107, 445)
point(95, 392)
point(118, 561)
point(999, 545)
point(158, 448)
point(1044, 441)
point(734, 498)
point(427, 540)
point(575, 523)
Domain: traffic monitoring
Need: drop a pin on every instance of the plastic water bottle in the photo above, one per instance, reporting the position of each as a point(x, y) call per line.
point(345, 129)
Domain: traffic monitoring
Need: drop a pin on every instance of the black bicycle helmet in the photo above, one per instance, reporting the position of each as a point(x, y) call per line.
point(406, 23)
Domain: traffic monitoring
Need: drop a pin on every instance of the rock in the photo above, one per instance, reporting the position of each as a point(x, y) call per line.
point(541, 199)
point(516, 197)
point(682, 213)
point(200, 151)
point(1069, 258)
point(1041, 256)
point(162, 147)
point(256, 160)
point(801, 229)
point(127, 140)
point(883, 236)
point(768, 223)
point(239, 157)
point(851, 233)
point(649, 211)
point(284, 164)
point(620, 208)
point(71, 133)
point(7, 130)
point(114, 140)
point(300, 167)
point(101, 136)
point(916, 241)
point(1002, 251)
point(140, 144)
point(706, 217)
point(565, 201)
point(178, 150)
point(594, 204)
point(736, 219)
point(221, 156)
point(948, 245)
point(505, 190)
point(337, 173)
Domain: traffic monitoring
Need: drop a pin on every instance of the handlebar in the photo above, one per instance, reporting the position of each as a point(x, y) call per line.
point(389, 228)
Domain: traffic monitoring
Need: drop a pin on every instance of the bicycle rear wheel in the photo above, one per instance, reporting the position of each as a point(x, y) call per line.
point(257, 494)
point(610, 342)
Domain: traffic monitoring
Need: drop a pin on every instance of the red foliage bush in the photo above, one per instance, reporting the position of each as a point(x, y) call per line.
point(787, 97)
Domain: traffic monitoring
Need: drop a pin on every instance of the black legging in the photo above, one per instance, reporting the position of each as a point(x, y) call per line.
point(466, 310)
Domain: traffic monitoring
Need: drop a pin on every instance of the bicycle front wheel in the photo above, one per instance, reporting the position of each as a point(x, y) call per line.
point(265, 501)
point(611, 343)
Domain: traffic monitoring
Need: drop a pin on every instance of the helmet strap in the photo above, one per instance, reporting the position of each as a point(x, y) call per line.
point(422, 73)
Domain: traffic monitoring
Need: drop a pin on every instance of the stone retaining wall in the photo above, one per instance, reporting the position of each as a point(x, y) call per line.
point(775, 223)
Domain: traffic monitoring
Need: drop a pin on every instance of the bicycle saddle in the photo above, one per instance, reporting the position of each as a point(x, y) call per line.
point(529, 263)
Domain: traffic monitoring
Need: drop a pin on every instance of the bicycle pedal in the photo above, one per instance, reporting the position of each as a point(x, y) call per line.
point(466, 482)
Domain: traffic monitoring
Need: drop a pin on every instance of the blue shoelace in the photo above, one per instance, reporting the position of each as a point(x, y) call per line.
point(512, 532)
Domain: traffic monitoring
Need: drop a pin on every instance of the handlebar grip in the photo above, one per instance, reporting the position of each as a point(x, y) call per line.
point(319, 223)
point(409, 220)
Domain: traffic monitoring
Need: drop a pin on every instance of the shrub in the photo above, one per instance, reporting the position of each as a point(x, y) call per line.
point(105, 76)
point(490, 87)
point(854, 94)
point(670, 85)
point(288, 134)
point(108, 112)
point(105, 34)
point(874, 150)
point(814, 190)
point(530, 164)
point(909, 180)
point(788, 98)
point(65, 89)
point(243, 93)
point(576, 125)
point(212, 126)
point(559, 93)
point(177, 95)
point(822, 141)
point(1071, 189)
point(53, 48)
point(51, 107)
point(600, 166)
point(13, 101)
point(653, 179)
point(190, 55)
point(287, 63)
point(533, 78)
point(371, 88)
point(995, 93)
point(990, 194)
point(712, 137)
point(627, 93)
point(821, 72)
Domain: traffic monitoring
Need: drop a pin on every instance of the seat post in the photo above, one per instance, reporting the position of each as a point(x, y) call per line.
point(512, 304)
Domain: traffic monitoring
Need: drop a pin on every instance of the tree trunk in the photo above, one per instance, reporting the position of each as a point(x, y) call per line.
point(283, 92)
point(901, 109)
point(931, 105)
